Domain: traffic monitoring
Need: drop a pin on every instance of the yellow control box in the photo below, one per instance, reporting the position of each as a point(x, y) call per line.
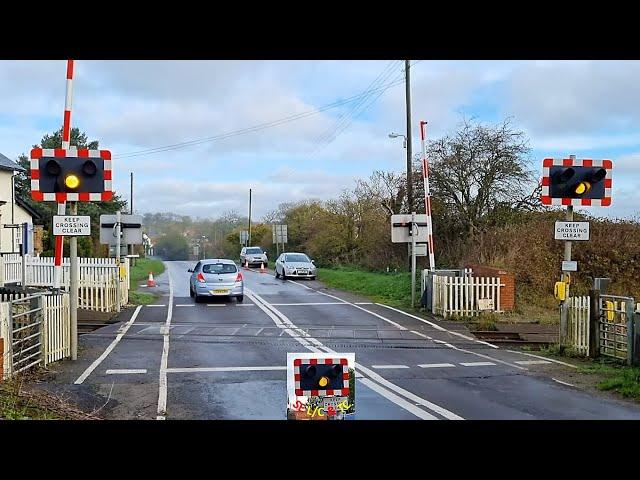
point(560, 291)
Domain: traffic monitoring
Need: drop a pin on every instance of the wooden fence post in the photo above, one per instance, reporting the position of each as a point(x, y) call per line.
point(594, 323)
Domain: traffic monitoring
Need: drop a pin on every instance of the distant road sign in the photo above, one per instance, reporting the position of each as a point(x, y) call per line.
point(279, 233)
point(72, 225)
point(131, 228)
point(572, 231)
point(401, 228)
point(569, 266)
point(244, 237)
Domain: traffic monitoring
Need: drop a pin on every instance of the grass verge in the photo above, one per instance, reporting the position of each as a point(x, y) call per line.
point(141, 298)
point(140, 273)
point(141, 270)
point(617, 378)
point(390, 288)
point(14, 406)
point(609, 375)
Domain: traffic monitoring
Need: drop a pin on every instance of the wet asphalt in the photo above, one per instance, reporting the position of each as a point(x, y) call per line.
point(215, 355)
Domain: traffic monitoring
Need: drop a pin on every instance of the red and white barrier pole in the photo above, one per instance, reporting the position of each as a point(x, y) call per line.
point(427, 194)
point(66, 138)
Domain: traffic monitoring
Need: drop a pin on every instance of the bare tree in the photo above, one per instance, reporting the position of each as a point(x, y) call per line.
point(478, 170)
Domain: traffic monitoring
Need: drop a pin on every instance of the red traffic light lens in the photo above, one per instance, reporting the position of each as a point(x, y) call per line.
point(598, 175)
point(310, 371)
point(89, 167)
point(565, 175)
point(53, 167)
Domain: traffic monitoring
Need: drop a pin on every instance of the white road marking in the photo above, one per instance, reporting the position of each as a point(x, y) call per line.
point(222, 369)
point(437, 327)
point(421, 334)
point(363, 303)
point(185, 305)
point(123, 371)
point(563, 383)
point(388, 366)
point(245, 304)
point(360, 369)
point(210, 305)
point(407, 394)
point(418, 412)
point(436, 365)
point(308, 303)
point(476, 364)
point(162, 388)
point(303, 286)
point(532, 362)
point(112, 345)
point(543, 358)
point(397, 325)
point(154, 305)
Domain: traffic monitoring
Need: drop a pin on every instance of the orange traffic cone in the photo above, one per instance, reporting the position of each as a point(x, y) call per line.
point(151, 282)
point(246, 264)
point(262, 269)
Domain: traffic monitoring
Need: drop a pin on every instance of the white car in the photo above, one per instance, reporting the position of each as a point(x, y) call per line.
point(253, 255)
point(295, 265)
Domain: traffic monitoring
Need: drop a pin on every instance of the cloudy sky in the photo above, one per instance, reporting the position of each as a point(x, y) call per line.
point(587, 108)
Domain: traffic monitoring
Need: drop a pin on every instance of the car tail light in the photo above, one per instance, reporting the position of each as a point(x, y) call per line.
point(201, 277)
point(239, 277)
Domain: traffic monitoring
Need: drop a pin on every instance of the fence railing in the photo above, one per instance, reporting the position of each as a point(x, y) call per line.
point(52, 340)
point(578, 328)
point(99, 278)
point(465, 295)
point(11, 271)
point(57, 328)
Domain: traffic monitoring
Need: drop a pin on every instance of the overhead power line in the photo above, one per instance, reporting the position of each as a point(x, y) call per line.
point(259, 127)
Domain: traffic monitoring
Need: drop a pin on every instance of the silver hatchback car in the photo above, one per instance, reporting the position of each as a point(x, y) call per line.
point(296, 265)
point(216, 278)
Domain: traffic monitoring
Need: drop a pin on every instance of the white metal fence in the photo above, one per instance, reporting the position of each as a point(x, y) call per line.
point(578, 324)
point(465, 295)
point(55, 334)
point(99, 278)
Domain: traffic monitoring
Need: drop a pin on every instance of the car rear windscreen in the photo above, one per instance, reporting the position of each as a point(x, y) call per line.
point(219, 268)
point(254, 251)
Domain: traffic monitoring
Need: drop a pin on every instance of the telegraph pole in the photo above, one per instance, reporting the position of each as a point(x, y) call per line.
point(409, 151)
point(131, 247)
point(249, 240)
point(131, 204)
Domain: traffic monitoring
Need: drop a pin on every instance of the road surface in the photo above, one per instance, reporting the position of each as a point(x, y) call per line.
point(222, 360)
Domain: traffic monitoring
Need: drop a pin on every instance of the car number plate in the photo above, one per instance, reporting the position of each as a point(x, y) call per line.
point(220, 290)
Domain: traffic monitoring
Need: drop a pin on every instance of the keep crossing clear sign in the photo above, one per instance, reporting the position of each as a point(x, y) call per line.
point(572, 231)
point(72, 225)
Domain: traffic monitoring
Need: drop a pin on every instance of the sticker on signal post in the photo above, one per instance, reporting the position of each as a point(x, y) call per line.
point(321, 386)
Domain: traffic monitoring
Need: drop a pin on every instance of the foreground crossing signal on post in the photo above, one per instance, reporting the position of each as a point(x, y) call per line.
point(72, 174)
point(583, 182)
point(324, 377)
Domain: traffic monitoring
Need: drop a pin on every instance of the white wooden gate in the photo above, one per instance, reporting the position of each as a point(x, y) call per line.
point(465, 295)
point(57, 328)
point(578, 324)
